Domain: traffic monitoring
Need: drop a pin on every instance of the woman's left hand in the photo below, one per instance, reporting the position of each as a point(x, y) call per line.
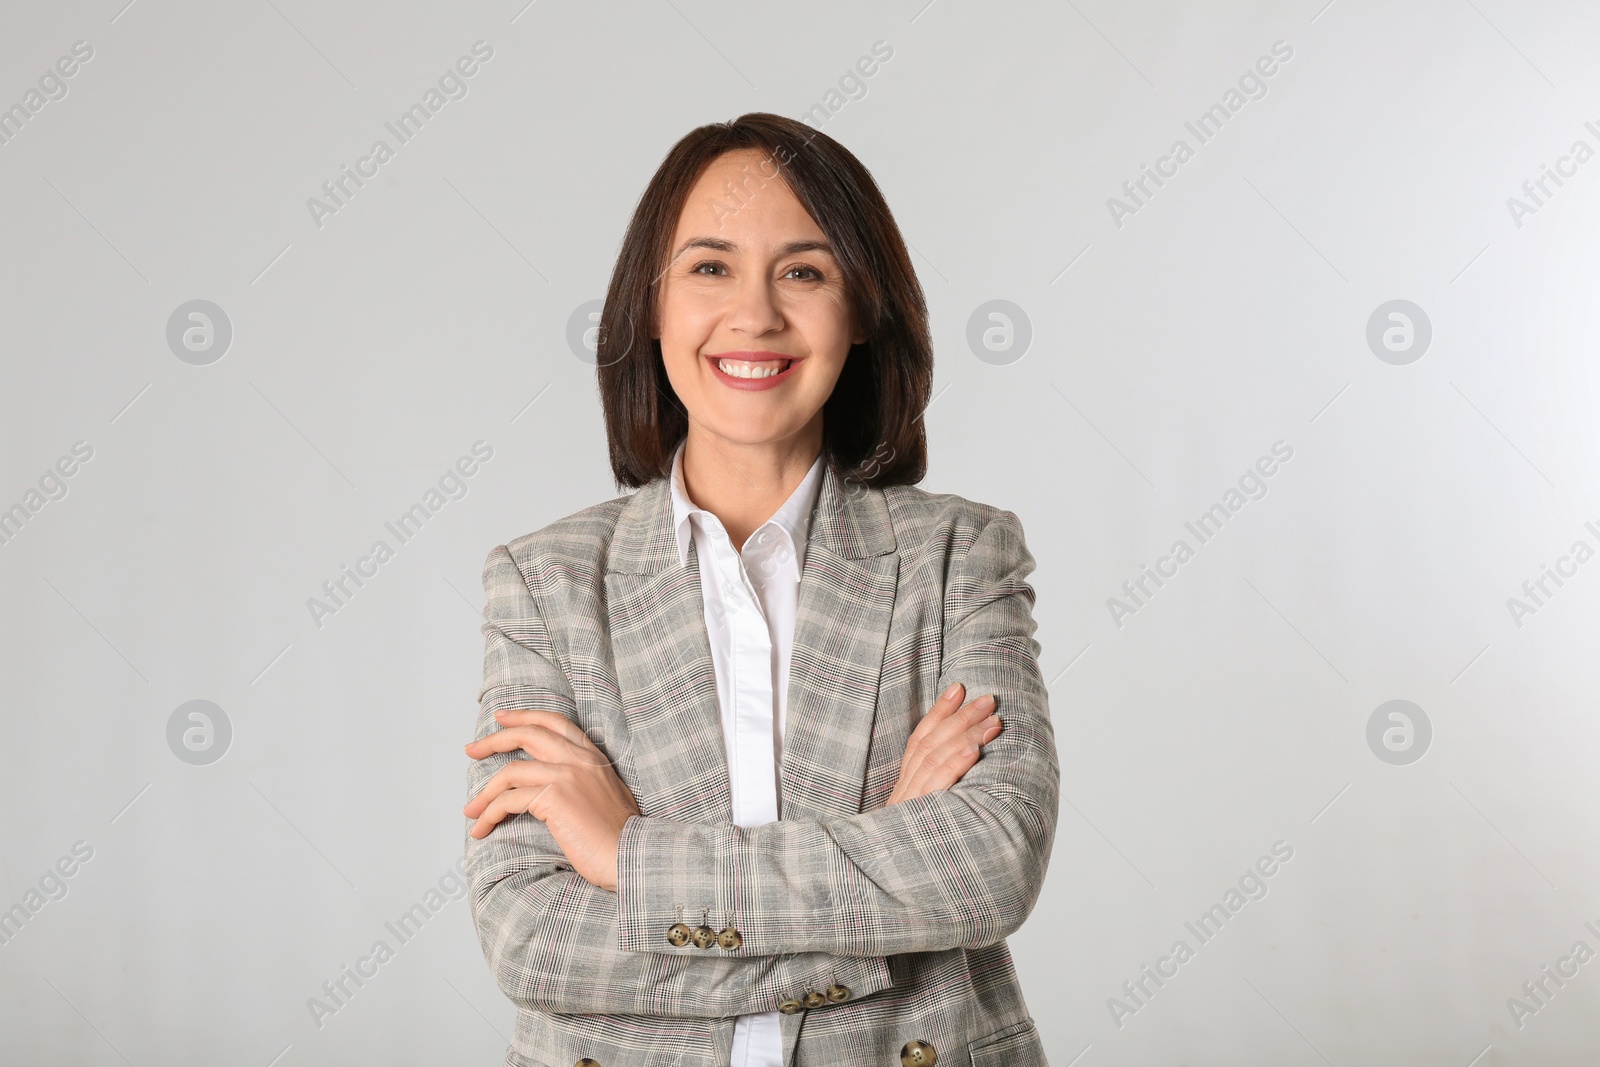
point(569, 785)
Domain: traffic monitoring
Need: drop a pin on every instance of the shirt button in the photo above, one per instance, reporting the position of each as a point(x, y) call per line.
point(763, 537)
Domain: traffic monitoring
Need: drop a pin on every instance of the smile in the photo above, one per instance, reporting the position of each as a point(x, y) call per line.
point(747, 370)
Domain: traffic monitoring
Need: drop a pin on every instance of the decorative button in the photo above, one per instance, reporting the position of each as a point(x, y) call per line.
point(918, 1054)
point(789, 1007)
point(837, 992)
point(815, 999)
point(730, 938)
point(703, 937)
point(678, 934)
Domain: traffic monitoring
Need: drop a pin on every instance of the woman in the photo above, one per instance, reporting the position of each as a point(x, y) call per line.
point(712, 826)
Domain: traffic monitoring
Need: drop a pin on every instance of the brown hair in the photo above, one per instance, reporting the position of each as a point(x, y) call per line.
point(872, 429)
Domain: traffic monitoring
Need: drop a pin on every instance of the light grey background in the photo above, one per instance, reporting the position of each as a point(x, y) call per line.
point(1168, 353)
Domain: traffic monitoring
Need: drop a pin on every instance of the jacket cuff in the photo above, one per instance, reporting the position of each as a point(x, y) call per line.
point(666, 874)
point(662, 861)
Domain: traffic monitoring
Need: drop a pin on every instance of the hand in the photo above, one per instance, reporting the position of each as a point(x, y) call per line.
point(945, 744)
point(569, 785)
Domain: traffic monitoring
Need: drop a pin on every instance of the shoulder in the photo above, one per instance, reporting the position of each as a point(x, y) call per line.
point(923, 518)
point(571, 545)
point(969, 544)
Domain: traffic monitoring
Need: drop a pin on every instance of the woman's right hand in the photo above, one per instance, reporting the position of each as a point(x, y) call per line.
point(945, 744)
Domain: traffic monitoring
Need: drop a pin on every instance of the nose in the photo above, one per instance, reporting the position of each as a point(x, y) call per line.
point(755, 311)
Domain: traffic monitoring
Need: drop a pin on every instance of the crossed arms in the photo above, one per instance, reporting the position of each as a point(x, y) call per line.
point(957, 868)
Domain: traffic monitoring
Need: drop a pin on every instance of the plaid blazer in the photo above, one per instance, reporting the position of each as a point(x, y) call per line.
point(885, 924)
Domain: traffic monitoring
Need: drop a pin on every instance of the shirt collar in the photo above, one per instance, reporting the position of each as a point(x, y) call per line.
point(794, 517)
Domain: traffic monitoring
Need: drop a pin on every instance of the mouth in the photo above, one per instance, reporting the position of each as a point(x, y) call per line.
point(747, 370)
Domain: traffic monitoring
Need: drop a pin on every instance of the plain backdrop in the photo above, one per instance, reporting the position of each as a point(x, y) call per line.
point(1357, 273)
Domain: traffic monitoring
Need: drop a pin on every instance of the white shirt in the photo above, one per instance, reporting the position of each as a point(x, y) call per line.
point(750, 599)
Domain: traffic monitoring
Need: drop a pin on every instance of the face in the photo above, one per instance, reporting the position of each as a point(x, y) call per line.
point(752, 280)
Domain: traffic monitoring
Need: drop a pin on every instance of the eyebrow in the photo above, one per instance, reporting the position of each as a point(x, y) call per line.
point(720, 244)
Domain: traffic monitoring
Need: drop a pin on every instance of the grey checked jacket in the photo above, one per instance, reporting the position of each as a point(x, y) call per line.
point(905, 907)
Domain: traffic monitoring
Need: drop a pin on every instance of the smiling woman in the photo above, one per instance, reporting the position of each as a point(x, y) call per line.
point(713, 823)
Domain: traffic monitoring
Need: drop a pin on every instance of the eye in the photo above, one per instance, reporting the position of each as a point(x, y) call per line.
point(706, 263)
point(816, 275)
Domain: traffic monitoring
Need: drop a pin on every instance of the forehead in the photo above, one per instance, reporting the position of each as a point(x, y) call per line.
point(740, 198)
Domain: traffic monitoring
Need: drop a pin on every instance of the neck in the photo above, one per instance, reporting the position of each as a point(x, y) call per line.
point(744, 485)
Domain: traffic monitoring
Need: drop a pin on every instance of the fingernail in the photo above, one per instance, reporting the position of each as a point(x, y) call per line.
point(948, 693)
point(993, 720)
point(985, 701)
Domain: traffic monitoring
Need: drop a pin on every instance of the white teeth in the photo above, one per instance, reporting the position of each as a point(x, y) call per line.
point(740, 368)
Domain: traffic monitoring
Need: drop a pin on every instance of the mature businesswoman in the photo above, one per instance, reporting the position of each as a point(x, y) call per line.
point(729, 805)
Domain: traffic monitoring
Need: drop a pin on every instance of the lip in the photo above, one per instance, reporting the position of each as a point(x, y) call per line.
point(753, 384)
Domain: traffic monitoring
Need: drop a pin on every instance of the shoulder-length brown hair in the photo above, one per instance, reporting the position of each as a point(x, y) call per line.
point(872, 422)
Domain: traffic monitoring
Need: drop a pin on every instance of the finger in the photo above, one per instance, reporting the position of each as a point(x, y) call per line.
point(948, 702)
point(511, 802)
point(552, 720)
point(917, 744)
point(952, 729)
point(584, 749)
point(946, 765)
point(540, 742)
point(517, 772)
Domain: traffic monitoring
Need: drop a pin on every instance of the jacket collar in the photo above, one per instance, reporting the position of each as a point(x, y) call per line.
point(851, 521)
point(793, 517)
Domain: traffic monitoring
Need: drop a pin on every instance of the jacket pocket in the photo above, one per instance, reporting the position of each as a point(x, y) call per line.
point(1017, 1045)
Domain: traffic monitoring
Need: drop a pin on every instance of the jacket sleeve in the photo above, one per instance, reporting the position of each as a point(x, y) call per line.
point(552, 938)
point(957, 868)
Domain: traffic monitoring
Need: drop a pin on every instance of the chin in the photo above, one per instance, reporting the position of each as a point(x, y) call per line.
point(752, 432)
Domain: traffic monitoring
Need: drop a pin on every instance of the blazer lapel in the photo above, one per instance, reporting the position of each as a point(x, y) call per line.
point(668, 682)
point(847, 592)
point(674, 752)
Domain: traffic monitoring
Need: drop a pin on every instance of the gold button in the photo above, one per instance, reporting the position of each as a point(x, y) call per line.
point(815, 999)
point(703, 937)
point(789, 1007)
point(678, 934)
point(730, 938)
point(837, 992)
point(918, 1054)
